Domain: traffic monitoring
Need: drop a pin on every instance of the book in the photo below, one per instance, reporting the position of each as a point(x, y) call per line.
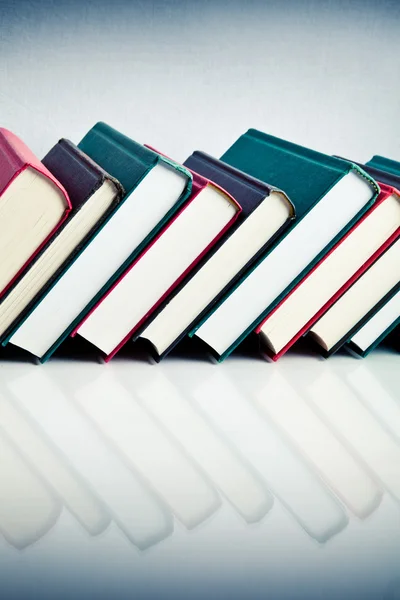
point(388, 166)
point(377, 328)
point(266, 212)
point(93, 193)
point(385, 321)
point(364, 298)
point(329, 195)
point(333, 275)
point(156, 187)
point(33, 204)
point(162, 266)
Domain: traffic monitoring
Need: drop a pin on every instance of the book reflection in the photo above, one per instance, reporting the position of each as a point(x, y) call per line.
point(152, 449)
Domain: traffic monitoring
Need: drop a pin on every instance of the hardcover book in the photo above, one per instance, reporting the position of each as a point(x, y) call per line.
point(266, 212)
point(390, 168)
point(33, 204)
point(329, 195)
point(93, 193)
point(385, 321)
point(163, 265)
point(156, 187)
point(333, 275)
point(362, 301)
point(377, 328)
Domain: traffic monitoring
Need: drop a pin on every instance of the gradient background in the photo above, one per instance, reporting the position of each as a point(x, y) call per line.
point(183, 75)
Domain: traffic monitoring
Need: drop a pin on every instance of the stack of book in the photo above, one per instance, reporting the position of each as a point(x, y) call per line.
point(112, 241)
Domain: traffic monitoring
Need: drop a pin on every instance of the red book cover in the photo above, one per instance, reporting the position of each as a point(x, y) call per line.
point(199, 183)
point(386, 191)
point(15, 157)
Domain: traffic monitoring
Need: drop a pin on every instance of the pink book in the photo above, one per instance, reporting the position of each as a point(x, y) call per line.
point(33, 204)
point(164, 265)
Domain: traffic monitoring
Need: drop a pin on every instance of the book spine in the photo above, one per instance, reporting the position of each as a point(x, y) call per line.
point(217, 165)
point(80, 179)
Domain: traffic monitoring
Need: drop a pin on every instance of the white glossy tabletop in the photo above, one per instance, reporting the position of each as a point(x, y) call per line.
point(187, 478)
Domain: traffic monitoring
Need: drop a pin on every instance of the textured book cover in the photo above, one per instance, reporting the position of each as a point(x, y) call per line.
point(390, 167)
point(247, 190)
point(15, 157)
point(81, 178)
point(78, 173)
point(386, 192)
point(129, 162)
point(306, 176)
point(198, 185)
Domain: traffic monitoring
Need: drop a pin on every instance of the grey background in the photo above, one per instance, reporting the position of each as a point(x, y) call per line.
point(182, 75)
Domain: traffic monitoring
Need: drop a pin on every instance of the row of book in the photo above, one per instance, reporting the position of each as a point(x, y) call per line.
point(113, 241)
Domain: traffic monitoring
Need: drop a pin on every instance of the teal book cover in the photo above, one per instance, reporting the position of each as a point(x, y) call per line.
point(390, 166)
point(355, 349)
point(306, 176)
point(129, 162)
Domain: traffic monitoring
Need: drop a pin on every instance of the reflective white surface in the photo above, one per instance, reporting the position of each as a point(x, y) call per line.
point(188, 478)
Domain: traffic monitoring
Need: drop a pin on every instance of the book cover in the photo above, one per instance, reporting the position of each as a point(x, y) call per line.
point(354, 349)
point(15, 157)
point(129, 162)
point(306, 176)
point(347, 337)
point(388, 166)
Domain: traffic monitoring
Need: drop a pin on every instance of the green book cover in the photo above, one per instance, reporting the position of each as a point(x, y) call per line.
point(306, 176)
point(385, 164)
point(129, 162)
